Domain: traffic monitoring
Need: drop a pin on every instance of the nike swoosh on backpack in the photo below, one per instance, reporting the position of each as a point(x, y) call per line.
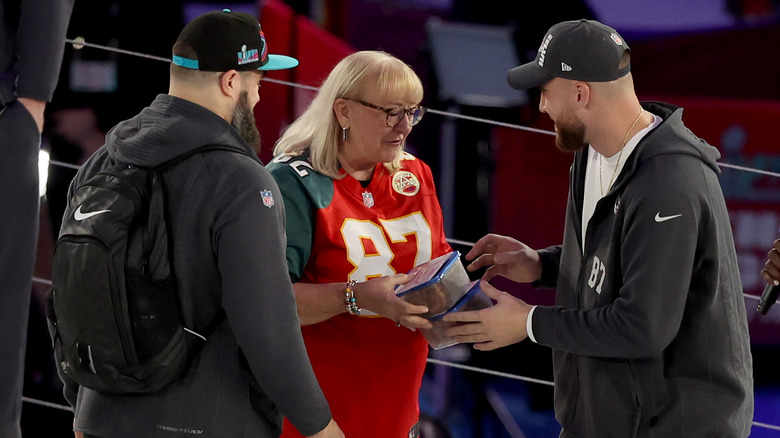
point(659, 218)
point(80, 216)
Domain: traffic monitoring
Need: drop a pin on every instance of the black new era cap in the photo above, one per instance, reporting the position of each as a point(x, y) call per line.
point(224, 40)
point(581, 50)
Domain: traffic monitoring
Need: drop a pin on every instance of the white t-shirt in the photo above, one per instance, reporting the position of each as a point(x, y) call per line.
point(609, 167)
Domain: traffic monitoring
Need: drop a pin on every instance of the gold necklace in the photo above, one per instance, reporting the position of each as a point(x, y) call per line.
point(620, 154)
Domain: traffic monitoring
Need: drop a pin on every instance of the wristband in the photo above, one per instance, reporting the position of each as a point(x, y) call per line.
point(349, 298)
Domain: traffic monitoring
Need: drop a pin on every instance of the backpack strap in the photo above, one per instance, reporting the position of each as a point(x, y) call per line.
point(220, 317)
point(212, 326)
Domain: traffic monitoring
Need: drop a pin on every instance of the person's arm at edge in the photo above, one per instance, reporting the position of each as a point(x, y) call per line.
point(40, 53)
point(771, 271)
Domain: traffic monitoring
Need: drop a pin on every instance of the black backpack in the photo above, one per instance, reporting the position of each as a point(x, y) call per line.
point(114, 309)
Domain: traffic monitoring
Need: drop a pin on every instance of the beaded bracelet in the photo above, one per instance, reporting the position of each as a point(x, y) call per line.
point(349, 299)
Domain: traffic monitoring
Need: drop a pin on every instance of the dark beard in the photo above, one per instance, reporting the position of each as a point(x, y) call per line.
point(244, 122)
point(570, 134)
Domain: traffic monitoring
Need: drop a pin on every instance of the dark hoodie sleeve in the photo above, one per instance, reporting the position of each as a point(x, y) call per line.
point(551, 260)
point(258, 295)
point(40, 45)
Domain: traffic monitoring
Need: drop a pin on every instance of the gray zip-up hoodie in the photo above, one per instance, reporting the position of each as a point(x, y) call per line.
point(229, 253)
point(649, 332)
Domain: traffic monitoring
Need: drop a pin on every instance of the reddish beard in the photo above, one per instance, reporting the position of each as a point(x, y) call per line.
point(570, 133)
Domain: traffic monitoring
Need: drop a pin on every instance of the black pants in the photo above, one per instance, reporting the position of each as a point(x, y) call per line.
point(19, 203)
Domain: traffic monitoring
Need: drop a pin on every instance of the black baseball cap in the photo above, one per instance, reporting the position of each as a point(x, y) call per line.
point(581, 50)
point(225, 40)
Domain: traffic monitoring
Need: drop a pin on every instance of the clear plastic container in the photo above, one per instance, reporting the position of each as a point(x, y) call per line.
point(437, 284)
point(474, 299)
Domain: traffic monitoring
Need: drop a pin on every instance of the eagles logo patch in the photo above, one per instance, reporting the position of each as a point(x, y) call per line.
point(405, 183)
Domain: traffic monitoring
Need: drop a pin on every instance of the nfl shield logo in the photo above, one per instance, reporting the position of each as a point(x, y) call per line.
point(368, 199)
point(268, 198)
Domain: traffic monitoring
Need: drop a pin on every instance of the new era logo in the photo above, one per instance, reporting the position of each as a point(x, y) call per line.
point(565, 67)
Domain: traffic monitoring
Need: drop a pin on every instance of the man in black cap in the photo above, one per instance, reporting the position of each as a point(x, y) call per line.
point(649, 331)
point(227, 223)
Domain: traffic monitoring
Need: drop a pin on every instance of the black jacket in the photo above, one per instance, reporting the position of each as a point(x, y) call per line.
point(649, 330)
point(229, 252)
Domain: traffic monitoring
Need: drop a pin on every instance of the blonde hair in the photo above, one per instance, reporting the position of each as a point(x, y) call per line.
point(318, 130)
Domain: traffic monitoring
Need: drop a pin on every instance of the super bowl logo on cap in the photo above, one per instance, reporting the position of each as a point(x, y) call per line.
point(245, 57)
point(405, 183)
point(268, 198)
point(264, 55)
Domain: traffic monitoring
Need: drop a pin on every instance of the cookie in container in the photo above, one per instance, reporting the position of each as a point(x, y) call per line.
point(474, 299)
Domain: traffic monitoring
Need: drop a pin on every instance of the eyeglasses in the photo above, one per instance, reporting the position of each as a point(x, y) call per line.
point(415, 113)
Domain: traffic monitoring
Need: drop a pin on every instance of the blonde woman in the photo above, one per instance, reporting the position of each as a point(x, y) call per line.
point(360, 213)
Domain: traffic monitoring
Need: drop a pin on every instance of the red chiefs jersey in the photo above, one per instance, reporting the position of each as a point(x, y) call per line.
point(369, 370)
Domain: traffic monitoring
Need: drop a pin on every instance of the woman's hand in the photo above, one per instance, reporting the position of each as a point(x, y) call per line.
point(378, 296)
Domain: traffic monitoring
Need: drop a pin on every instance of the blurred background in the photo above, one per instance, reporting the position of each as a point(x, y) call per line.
point(716, 58)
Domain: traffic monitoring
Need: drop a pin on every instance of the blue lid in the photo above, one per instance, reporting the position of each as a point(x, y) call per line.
point(474, 290)
point(427, 273)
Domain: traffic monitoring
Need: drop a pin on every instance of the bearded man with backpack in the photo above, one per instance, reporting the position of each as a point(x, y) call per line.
point(245, 362)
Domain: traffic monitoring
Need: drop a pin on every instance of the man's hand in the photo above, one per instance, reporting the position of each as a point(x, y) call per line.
point(494, 327)
point(332, 430)
point(506, 257)
point(771, 272)
point(35, 108)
